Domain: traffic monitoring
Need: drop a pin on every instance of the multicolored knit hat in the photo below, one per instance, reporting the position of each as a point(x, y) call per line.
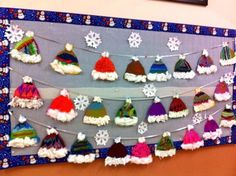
point(140, 153)
point(26, 95)
point(135, 71)
point(96, 113)
point(165, 147)
point(191, 140)
point(126, 115)
point(177, 108)
point(156, 112)
point(158, 71)
point(183, 69)
point(222, 91)
point(202, 101)
point(228, 118)
point(211, 129)
point(205, 64)
point(62, 108)
point(23, 135)
point(81, 151)
point(227, 55)
point(104, 69)
point(53, 146)
point(66, 61)
point(117, 154)
point(26, 50)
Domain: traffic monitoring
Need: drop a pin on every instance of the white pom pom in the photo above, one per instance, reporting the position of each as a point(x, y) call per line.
point(69, 47)
point(141, 139)
point(158, 58)
point(210, 117)
point(81, 136)
point(29, 34)
point(128, 100)
point(205, 52)
point(190, 127)
point(176, 96)
point(105, 54)
point(228, 106)
point(64, 92)
point(224, 44)
point(97, 99)
point(118, 140)
point(52, 131)
point(22, 119)
point(165, 134)
point(157, 100)
point(182, 56)
point(27, 79)
point(135, 58)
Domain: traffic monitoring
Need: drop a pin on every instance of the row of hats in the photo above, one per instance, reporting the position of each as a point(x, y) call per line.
point(53, 146)
point(66, 62)
point(62, 107)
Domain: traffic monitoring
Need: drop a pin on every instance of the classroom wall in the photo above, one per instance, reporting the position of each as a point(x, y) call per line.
point(207, 161)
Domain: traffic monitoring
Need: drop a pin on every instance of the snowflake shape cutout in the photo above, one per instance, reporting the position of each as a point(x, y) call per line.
point(13, 33)
point(134, 40)
point(197, 118)
point(93, 39)
point(101, 137)
point(81, 102)
point(228, 78)
point(142, 128)
point(149, 90)
point(173, 43)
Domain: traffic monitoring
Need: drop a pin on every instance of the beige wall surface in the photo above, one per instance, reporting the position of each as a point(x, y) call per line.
point(218, 13)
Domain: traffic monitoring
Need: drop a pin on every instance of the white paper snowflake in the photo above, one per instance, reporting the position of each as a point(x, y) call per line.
point(229, 78)
point(149, 90)
point(93, 39)
point(173, 43)
point(81, 102)
point(197, 118)
point(134, 40)
point(101, 137)
point(13, 33)
point(142, 128)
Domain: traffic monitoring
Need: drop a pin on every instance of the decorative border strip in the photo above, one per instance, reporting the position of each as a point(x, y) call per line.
point(7, 14)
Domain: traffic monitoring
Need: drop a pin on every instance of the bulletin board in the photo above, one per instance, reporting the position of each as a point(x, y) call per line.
point(52, 30)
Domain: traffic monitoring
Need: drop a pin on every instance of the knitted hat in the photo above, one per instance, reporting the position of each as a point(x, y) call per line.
point(156, 112)
point(222, 91)
point(126, 115)
point(183, 69)
point(165, 146)
point(135, 71)
point(205, 64)
point(141, 153)
point(117, 154)
point(62, 108)
point(227, 55)
point(96, 113)
point(66, 61)
point(191, 139)
point(177, 108)
point(52, 146)
point(26, 50)
point(202, 101)
point(158, 71)
point(104, 69)
point(81, 151)
point(211, 129)
point(227, 117)
point(23, 135)
point(27, 95)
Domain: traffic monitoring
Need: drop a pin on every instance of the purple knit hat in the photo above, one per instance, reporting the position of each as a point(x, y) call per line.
point(211, 129)
point(156, 112)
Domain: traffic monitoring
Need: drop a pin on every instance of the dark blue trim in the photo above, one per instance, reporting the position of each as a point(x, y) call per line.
point(101, 21)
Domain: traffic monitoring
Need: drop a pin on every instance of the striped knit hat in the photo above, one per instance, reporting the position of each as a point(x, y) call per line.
point(96, 113)
point(227, 55)
point(221, 92)
point(202, 101)
point(81, 151)
point(26, 50)
point(227, 117)
point(66, 61)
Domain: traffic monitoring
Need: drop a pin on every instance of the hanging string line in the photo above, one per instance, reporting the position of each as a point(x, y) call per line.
point(129, 55)
point(114, 137)
point(113, 98)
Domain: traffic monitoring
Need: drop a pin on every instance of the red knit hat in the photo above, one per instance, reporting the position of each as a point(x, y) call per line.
point(104, 69)
point(222, 91)
point(62, 108)
point(177, 108)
